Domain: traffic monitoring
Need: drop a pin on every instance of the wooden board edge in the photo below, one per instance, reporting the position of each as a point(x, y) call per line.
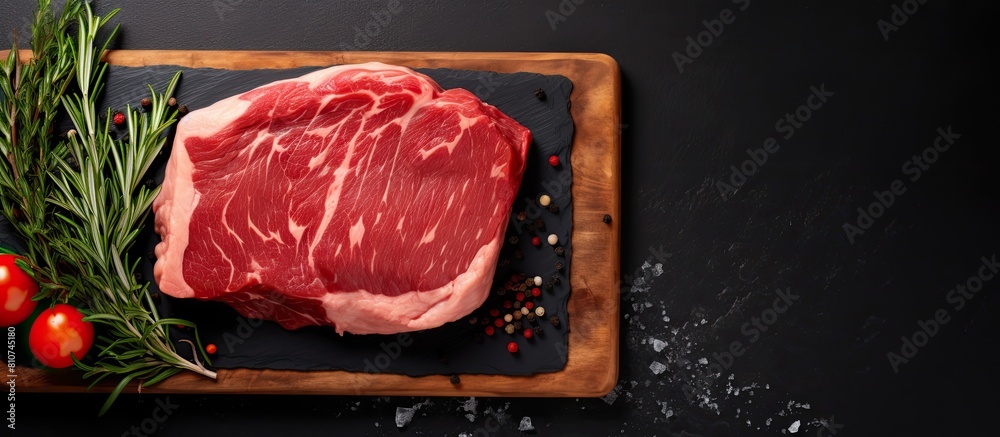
point(545, 385)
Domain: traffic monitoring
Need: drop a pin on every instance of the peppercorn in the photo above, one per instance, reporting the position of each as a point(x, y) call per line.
point(538, 280)
point(522, 216)
point(528, 306)
point(548, 286)
point(498, 323)
point(509, 329)
point(151, 256)
point(522, 287)
point(544, 200)
point(473, 320)
point(172, 102)
point(528, 333)
point(531, 317)
point(487, 321)
point(607, 218)
point(535, 241)
point(539, 311)
point(540, 94)
point(507, 318)
point(553, 208)
point(554, 161)
point(535, 292)
point(149, 183)
point(554, 320)
point(553, 239)
point(506, 304)
point(146, 103)
point(494, 312)
point(519, 296)
point(524, 310)
point(505, 262)
point(529, 282)
point(119, 118)
point(489, 330)
point(512, 239)
point(512, 347)
point(211, 349)
point(518, 254)
point(540, 224)
point(518, 314)
point(502, 291)
point(455, 380)
point(517, 305)
point(556, 280)
point(538, 330)
point(559, 265)
point(560, 251)
point(183, 110)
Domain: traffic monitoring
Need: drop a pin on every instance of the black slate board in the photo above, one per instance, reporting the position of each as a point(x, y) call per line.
point(455, 348)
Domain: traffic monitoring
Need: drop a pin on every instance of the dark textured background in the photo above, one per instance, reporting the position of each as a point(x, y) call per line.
point(720, 259)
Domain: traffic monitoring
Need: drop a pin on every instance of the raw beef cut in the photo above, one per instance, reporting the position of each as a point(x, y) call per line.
point(363, 197)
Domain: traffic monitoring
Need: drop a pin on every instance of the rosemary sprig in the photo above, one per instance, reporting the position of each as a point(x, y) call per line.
point(30, 95)
point(88, 195)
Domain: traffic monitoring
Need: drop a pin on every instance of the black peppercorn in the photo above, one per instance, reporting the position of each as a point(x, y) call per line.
point(548, 285)
point(455, 380)
point(554, 320)
point(517, 325)
point(518, 254)
point(512, 239)
point(182, 110)
point(522, 216)
point(556, 280)
point(538, 330)
point(559, 266)
point(553, 208)
point(540, 224)
point(540, 94)
point(473, 320)
point(607, 218)
point(560, 251)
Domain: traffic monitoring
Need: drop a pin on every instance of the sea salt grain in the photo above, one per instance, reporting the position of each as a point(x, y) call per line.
point(403, 416)
point(657, 367)
point(795, 427)
point(525, 424)
point(658, 345)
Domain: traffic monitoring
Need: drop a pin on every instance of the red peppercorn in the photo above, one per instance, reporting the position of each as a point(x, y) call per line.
point(512, 347)
point(119, 118)
point(507, 303)
point(494, 312)
point(490, 330)
point(498, 323)
point(535, 241)
point(528, 333)
point(529, 305)
point(211, 349)
point(554, 160)
point(536, 292)
point(519, 297)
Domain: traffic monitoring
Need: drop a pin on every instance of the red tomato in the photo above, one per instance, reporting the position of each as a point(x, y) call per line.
point(58, 332)
point(16, 291)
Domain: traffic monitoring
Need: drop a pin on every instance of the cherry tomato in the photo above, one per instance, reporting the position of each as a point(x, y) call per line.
point(58, 332)
point(16, 291)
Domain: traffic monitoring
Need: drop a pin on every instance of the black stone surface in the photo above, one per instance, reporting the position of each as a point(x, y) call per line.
point(721, 259)
point(455, 348)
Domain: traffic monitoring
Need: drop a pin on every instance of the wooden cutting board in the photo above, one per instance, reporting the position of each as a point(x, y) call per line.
point(594, 305)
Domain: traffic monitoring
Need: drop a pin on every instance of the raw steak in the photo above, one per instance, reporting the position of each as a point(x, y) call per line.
point(363, 197)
